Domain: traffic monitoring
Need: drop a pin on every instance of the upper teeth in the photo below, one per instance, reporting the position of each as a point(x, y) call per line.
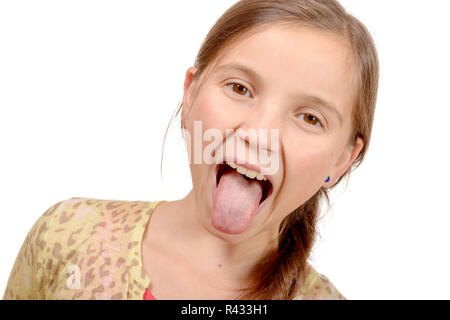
point(247, 172)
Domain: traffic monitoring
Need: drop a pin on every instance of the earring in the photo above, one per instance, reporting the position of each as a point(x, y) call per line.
point(328, 179)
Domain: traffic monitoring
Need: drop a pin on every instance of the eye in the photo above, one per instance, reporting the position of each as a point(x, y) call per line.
point(311, 119)
point(239, 89)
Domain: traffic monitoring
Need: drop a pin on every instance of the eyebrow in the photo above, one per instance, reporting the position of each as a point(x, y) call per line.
point(307, 97)
point(242, 68)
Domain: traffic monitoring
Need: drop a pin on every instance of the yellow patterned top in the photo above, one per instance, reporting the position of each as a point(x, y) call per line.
point(84, 248)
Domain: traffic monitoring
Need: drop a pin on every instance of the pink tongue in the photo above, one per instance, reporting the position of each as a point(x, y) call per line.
point(235, 203)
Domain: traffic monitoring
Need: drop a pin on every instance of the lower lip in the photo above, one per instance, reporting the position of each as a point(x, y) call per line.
point(214, 189)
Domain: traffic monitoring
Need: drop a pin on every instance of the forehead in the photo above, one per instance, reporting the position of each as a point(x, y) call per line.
point(296, 61)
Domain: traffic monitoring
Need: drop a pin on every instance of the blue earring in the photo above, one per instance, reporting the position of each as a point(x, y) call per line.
point(328, 179)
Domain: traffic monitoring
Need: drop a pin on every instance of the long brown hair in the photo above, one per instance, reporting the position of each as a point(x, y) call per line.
point(281, 272)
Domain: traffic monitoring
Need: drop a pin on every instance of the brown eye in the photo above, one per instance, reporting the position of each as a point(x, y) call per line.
point(239, 89)
point(310, 119)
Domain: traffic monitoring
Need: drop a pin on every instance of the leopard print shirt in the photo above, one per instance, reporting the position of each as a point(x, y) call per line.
point(84, 248)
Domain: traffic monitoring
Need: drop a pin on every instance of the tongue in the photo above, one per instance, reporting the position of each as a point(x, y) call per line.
point(235, 202)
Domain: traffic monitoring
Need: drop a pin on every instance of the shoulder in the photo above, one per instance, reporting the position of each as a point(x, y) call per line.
point(318, 287)
point(90, 238)
point(77, 212)
point(71, 221)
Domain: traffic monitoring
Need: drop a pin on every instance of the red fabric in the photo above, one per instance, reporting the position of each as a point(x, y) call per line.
point(148, 295)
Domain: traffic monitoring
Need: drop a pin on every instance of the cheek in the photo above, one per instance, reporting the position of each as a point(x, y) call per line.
point(215, 110)
point(305, 171)
point(208, 112)
point(210, 107)
point(306, 154)
point(307, 164)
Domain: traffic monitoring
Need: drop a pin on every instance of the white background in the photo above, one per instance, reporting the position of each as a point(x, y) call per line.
point(87, 89)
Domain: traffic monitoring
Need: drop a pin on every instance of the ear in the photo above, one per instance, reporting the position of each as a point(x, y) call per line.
point(189, 92)
point(347, 158)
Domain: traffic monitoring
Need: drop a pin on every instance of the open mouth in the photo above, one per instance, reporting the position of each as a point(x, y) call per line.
point(266, 185)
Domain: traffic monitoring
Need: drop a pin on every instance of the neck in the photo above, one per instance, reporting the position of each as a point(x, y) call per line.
point(229, 257)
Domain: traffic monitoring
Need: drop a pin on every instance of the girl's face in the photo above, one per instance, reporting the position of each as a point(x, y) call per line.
point(296, 80)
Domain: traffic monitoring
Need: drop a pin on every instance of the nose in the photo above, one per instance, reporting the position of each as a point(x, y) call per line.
point(262, 123)
point(256, 138)
point(260, 131)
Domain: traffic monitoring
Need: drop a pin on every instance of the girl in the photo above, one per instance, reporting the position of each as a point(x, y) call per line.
point(306, 71)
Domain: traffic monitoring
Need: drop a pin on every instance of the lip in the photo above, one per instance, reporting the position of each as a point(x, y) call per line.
point(247, 165)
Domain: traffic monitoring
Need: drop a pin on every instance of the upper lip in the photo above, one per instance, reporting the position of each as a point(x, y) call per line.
point(247, 165)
